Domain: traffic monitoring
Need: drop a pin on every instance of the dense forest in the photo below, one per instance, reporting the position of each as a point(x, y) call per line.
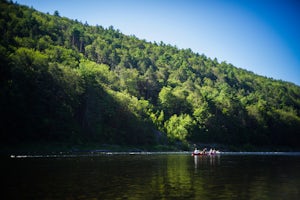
point(62, 80)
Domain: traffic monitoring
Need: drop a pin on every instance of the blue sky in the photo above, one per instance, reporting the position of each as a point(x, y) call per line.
point(262, 36)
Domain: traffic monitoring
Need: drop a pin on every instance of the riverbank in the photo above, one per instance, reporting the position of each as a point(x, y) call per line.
point(54, 148)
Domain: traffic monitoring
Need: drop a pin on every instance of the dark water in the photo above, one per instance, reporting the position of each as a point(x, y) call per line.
point(179, 176)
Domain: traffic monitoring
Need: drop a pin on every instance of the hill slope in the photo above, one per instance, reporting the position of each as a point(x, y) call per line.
point(64, 81)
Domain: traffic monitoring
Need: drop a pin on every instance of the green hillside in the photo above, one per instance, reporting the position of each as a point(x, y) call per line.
point(69, 82)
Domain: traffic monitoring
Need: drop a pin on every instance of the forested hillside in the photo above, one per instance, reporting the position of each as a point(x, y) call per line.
point(66, 81)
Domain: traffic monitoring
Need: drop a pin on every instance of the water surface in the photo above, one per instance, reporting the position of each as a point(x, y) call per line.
point(152, 176)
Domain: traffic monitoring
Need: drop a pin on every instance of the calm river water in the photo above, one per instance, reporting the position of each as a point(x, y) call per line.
point(152, 176)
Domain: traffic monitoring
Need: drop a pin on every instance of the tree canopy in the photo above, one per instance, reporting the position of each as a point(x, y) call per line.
point(62, 80)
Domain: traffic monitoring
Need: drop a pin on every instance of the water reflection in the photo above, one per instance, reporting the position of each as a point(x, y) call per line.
point(204, 160)
point(152, 177)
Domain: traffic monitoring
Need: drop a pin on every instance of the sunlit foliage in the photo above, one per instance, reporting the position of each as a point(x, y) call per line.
point(62, 80)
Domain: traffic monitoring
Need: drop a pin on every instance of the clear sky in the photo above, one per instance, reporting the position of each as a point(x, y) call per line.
point(262, 36)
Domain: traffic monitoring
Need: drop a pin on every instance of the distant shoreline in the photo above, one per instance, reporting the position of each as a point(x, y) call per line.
point(91, 148)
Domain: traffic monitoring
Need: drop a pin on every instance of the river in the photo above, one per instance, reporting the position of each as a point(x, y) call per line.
point(152, 176)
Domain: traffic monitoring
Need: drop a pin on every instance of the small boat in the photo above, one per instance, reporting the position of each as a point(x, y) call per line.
point(206, 154)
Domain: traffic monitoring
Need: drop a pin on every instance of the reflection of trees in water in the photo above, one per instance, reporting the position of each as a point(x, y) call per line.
point(199, 177)
point(156, 177)
point(176, 178)
point(173, 179)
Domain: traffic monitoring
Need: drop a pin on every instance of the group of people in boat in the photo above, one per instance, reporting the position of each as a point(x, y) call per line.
point(205, 152)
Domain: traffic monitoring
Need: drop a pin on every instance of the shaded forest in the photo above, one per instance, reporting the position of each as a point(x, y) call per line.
point(66, 81)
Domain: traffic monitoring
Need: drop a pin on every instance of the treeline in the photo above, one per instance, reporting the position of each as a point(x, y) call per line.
point(62, 80)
